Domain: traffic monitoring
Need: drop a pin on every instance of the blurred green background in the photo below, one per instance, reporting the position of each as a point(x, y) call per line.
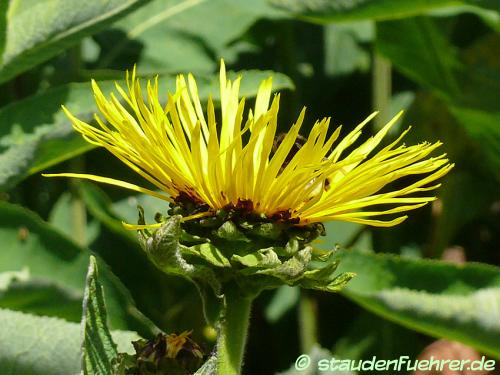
point(438, 60)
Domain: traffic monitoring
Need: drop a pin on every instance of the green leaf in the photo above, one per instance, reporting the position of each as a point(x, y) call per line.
point(102, 208)
point(208, 252)
point(480, 77)
point(469, 84)
point(164, 250)
point(324, 277)
point(63, 218)
point(266, 230)
point(166, 253)
point(18, 291)
point(477, 109)
point(36, 139)
point(162, 305)
point(330, 10)
point(230, 232)
point(458, 302)
point(209, 367)
point(30, 243)
point(209, 85)
point(98, 348)
point(264, 258)
point(338, 233)
point(126, 209)
point(9, 277)
point(417, 47)
point(41, 297)
point(57, 349)
point(457, 212)
point(37, 345)
point(290, 270)
point(3, 26)
point(344, 53)
point(181, 27)
point(482, 127)
point(488, 4)
point(37, 31)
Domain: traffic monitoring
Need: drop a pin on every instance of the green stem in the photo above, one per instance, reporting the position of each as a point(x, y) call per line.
point(382, 84)
point(233, 334)
point(308, 328)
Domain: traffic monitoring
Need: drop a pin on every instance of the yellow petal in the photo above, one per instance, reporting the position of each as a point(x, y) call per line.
point(111, 181)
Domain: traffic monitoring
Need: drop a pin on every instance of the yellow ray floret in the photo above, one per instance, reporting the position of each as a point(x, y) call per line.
point(225, 157)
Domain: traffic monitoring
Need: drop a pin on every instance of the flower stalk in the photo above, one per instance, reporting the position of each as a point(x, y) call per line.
point(308, 329)
point(233, 331)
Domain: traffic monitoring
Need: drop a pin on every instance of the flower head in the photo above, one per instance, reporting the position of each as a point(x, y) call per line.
point(232, 157)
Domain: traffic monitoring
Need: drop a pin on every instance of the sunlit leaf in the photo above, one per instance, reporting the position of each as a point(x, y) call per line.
point(458, 302)
point(425, 55)
point(98, 348)
point(36, 31)
point(173, 35)
point(332, 10)
point(48, 255)
point(64, 219)
point(54, 344)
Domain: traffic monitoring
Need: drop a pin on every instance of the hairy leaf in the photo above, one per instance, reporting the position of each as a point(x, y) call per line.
point(50, 256)
point(98, 348)
point(324, 11)
point(36, 31)
point(180, 27)
point(34, 345)
point(458, 302)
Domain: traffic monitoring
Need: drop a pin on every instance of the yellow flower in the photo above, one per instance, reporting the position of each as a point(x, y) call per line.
point(231, 157)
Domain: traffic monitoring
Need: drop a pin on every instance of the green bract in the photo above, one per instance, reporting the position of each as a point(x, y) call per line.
point(246, 252)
